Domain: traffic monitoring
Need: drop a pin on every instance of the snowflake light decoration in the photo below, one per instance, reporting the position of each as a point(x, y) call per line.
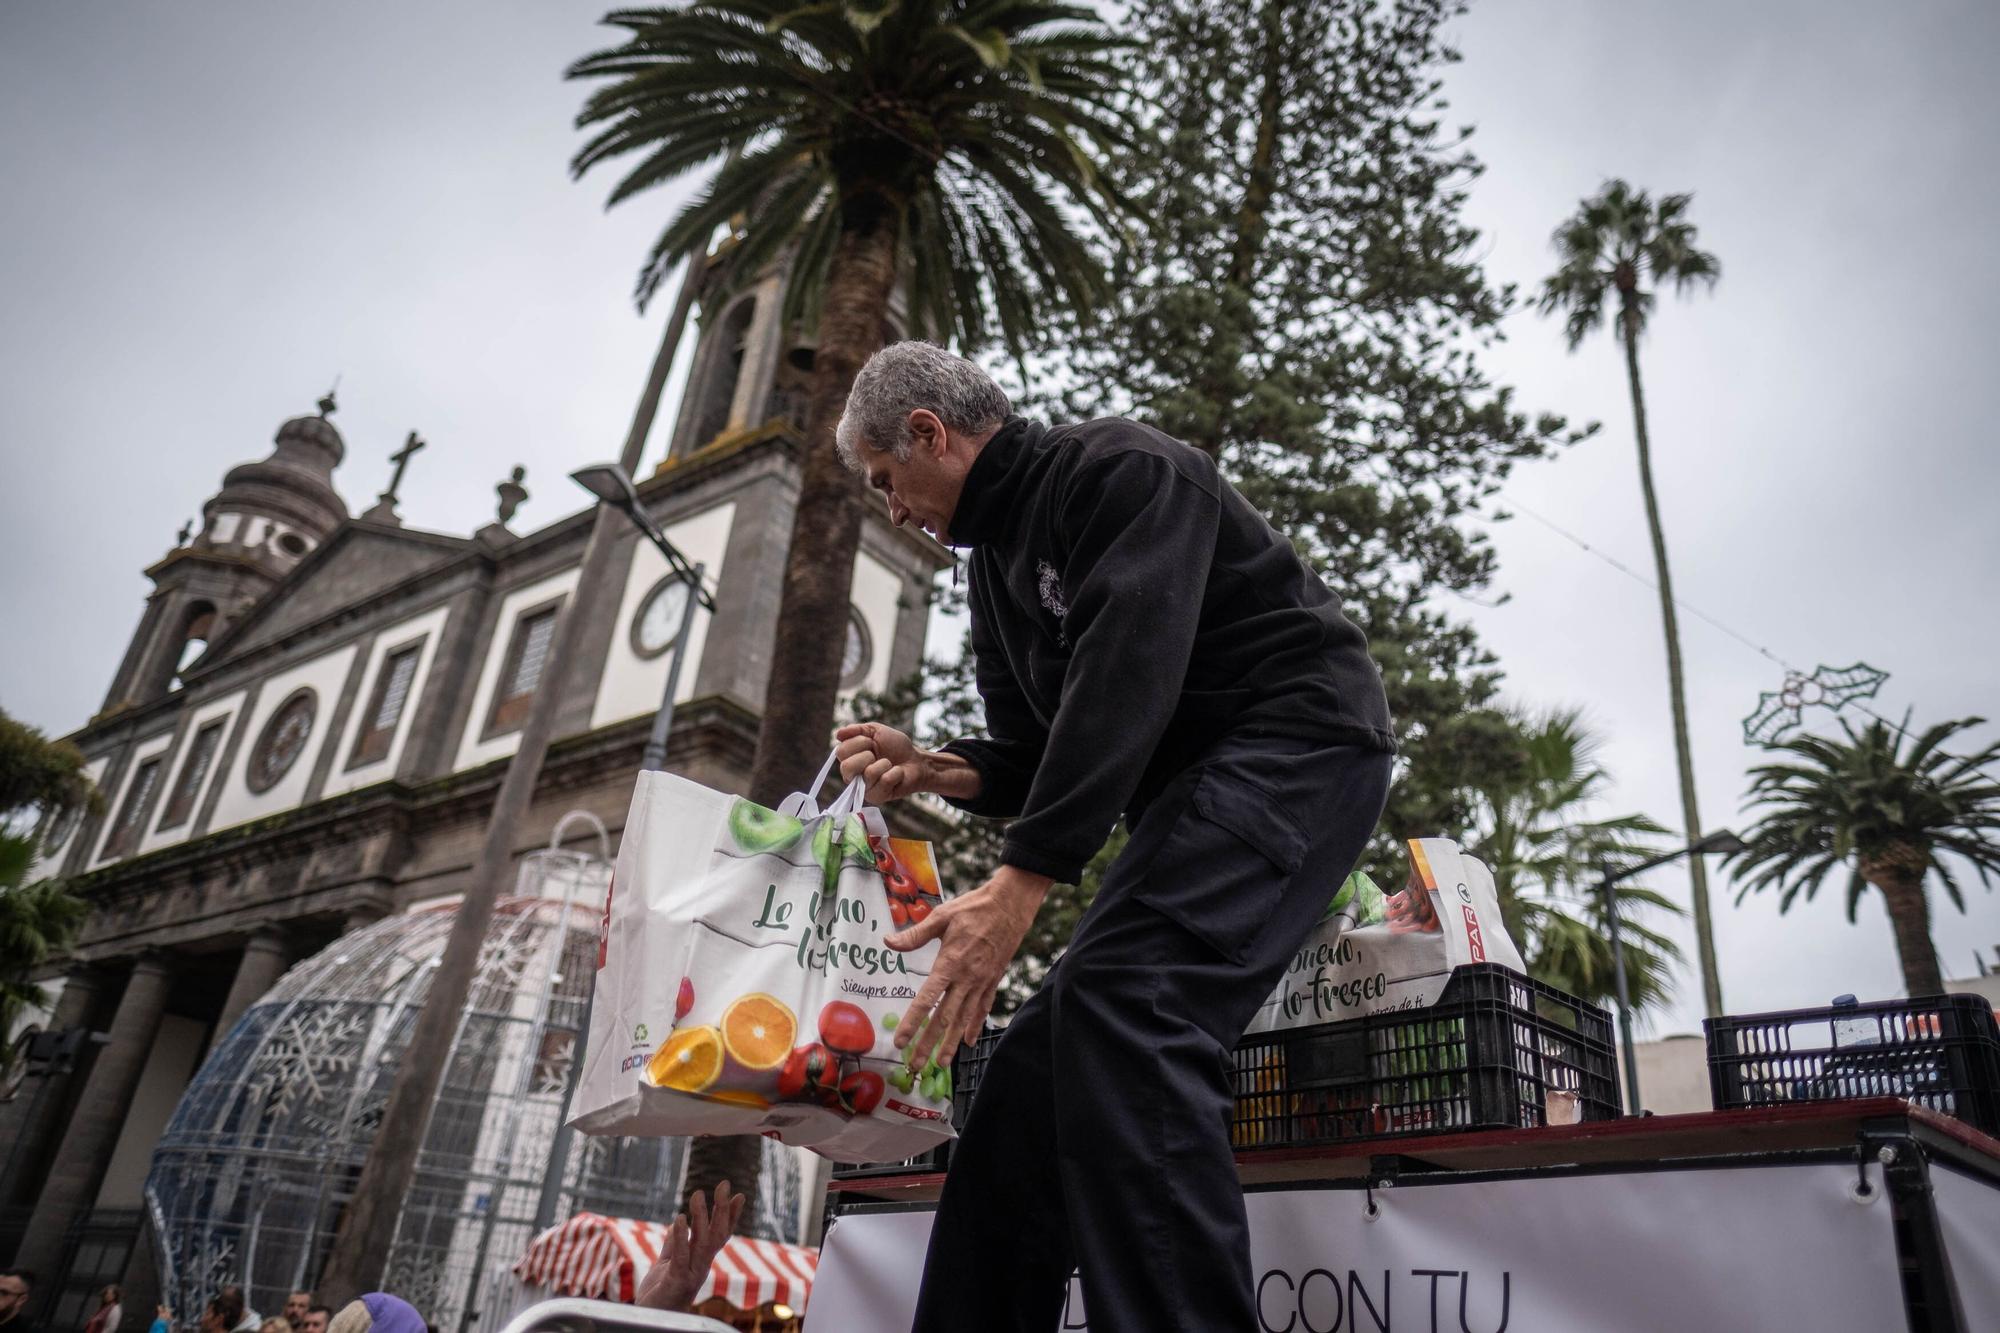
point(250, 1178)
point(1829, 687)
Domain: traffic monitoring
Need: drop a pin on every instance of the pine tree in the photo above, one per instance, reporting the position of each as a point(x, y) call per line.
point(1308, 305)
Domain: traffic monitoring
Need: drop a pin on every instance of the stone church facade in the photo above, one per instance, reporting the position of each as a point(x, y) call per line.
point(311, 722)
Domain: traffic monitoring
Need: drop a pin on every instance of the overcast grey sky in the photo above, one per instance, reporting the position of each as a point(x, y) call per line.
point(211, 209)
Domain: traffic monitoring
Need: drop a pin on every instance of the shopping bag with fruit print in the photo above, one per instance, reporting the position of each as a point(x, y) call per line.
point(742, 983)
point(1373, 952)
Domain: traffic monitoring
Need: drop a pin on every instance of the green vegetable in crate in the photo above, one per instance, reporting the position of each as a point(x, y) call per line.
point(1369, 904)
point(1360, 891)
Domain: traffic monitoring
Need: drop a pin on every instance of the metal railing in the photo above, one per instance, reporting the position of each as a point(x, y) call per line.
point(575, 1315)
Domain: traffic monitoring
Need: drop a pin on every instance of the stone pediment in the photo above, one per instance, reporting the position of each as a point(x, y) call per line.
point(357, 564)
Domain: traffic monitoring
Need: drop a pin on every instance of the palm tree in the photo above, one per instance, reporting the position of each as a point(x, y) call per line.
point(932, 143)
point(1547, 862)
point(37, 921)
point(1890, 816)
point(1620, 242)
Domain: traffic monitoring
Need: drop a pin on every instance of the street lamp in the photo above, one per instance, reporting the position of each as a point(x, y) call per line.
point(608, 482)
point(1720, 842)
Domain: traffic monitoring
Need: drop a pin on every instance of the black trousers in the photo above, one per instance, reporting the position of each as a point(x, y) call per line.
point(1099, 1137)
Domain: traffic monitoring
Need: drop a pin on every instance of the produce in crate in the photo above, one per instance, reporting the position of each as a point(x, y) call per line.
point(1372, 953)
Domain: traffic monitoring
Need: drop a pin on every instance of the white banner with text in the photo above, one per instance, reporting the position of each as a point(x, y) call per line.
point(1752, 1249)
point(1968, 1209)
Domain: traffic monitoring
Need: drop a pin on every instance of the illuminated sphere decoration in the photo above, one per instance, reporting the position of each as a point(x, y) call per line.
point(265, 1147)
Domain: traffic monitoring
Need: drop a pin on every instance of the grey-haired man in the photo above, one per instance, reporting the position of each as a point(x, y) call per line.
point(1147, 646)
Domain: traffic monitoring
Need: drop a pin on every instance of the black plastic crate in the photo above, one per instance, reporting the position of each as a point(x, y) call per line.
point(1497, 1051)
point(1938, 1051)
point(1488, 1055)
point(966, 1067)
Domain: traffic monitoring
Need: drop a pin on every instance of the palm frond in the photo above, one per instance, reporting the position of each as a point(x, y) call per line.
point(907, 103)
point(1548, 860)
point(1833, 803)
point(1621, 234)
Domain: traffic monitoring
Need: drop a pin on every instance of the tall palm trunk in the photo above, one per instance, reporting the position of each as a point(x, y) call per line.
point(797, 725)
point(1704, 934)
point(1902, 888)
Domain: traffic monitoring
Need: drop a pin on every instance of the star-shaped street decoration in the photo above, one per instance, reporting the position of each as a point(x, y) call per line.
point(1829, 687)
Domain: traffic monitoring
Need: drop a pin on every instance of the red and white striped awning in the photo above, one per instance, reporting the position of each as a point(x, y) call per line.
point(604, 1257)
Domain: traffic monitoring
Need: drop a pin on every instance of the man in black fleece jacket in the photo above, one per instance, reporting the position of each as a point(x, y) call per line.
point(1147, 646)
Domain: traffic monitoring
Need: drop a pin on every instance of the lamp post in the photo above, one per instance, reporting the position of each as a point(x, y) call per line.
point(1722, 842)
point(608, 482)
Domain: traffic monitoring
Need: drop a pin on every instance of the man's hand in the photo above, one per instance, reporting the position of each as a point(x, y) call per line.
point(980, 931)
point(888, 760)
point(693, 1239)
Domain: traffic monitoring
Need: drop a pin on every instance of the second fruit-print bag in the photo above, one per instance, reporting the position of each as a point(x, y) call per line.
point(743, 986)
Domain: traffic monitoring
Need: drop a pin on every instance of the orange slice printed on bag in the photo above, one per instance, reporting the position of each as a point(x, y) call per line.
point(757, 1030)
point(688, 1061)
point(738, 1097)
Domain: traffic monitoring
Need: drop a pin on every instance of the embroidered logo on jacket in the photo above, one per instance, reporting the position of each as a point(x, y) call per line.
point(1051, 589)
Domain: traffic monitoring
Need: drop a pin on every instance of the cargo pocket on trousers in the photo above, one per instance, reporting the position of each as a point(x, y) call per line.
point(1224, 863)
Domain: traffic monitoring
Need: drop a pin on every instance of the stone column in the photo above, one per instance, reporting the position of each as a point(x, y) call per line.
point(265, 959)
point(100, 1113)
point(29, 1124)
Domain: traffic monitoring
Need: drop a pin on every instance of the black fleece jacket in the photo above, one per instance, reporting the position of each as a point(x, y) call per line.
point(1129, 609)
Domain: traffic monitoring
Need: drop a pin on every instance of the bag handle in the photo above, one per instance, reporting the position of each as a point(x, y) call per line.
point(805, 804)
point(850, 799)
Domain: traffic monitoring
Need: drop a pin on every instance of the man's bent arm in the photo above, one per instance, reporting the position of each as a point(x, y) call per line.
point(1142, 538)
point(1004, 760)
point(952, 776)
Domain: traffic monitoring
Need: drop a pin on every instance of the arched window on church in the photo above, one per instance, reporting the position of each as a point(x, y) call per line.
point(184, 641)
point(716, 391)
point(194, 639)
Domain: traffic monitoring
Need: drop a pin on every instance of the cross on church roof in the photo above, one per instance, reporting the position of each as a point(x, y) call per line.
point(384, 508)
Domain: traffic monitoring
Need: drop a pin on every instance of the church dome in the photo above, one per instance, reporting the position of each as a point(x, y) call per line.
point(275, 510)
point(249, 1181)
point(310, 443)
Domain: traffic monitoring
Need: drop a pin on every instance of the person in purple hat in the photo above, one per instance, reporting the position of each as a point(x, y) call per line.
point(377, 1312)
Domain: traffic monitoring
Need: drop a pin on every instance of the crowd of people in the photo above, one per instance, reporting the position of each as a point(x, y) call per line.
point(693, 1238)
point(225, 1312)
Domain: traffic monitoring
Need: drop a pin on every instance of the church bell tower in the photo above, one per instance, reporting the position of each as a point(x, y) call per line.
point(752, 370)
point(268, 516)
